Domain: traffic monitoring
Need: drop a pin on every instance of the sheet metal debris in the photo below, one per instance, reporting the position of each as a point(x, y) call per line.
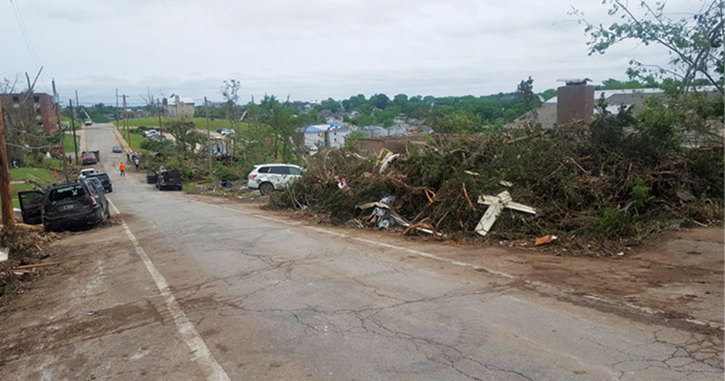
point(496, 205)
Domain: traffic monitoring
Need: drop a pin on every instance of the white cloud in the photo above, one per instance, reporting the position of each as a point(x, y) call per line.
point(309, 49)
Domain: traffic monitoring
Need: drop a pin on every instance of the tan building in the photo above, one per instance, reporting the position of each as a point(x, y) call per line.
point(177, 107)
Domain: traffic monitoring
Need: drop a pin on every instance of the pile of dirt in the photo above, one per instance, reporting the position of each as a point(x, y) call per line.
point(25, 247)
point(584, 185)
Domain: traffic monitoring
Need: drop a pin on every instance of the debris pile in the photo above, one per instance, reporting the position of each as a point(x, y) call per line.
point(561, 182)
point(24, 246)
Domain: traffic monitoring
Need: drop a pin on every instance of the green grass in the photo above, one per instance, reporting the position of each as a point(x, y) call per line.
point(15, 188)
point(135, 143)
point(68, 144)
point(199, 122)
point(40, 175)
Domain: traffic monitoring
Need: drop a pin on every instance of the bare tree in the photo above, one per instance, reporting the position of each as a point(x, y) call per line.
point(150, 99)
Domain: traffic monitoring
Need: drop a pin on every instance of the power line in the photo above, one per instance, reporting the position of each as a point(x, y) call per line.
point(24, 32)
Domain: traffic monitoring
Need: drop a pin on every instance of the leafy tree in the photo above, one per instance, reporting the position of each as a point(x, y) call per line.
point(230, 92)
point(548, 94)
point(525, 95)
point(186, 136)
point(694, 42)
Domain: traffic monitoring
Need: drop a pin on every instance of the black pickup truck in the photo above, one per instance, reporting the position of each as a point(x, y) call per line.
point(105, 180)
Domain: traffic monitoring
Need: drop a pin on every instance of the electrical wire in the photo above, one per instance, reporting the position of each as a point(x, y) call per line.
point(26, 36)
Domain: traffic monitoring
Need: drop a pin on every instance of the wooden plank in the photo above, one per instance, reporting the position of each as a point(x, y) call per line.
point(37, 265)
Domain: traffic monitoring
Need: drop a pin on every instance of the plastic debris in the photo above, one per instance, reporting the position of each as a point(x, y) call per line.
point(544, 240)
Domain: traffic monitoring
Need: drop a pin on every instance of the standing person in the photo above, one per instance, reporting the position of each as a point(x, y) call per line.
point(122, 167)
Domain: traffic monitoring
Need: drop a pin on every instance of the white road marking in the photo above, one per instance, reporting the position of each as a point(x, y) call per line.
point(202, 355)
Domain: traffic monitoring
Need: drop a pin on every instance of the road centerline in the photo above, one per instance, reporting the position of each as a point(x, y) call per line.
point(202, 355)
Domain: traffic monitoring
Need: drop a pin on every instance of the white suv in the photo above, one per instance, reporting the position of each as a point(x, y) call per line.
point(271, 177)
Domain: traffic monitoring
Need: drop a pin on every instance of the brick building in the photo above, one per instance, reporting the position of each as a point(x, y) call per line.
point(39, 107)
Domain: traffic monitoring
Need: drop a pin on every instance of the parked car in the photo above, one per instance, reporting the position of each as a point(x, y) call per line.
point(150, 132)
point(91, 157)
point(219, 130)
point(88, 122)
point(64, 206)
point(271, 177)
point(117, 149)
point(169, 179)
point(105, 180)
point(96, 182)
point(152, 177)
point(85, 172)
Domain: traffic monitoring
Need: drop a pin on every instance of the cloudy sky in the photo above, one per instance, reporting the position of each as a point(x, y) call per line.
point(309, 50)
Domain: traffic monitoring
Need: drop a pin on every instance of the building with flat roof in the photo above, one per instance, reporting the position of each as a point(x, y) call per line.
point(31, 108)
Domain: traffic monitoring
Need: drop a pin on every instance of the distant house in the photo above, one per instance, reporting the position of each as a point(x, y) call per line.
point(324, 135)
point(38, 107)
point(176, 107)
point(335, 137)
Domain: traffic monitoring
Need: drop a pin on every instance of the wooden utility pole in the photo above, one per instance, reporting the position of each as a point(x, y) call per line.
point(115, 112)
point(73, 127)
point(5, 195)
point(125, 122)
point(208, 137)
point(62, 133)
point(158, 112)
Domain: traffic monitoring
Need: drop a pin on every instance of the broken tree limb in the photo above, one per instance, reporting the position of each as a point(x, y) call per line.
point(468, 199)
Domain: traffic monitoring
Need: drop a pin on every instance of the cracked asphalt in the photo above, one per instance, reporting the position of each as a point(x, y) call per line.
point(280, 301)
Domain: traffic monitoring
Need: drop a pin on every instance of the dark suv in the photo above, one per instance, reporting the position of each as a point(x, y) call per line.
point(105, 180)
point(169, 179)
point(64, 206)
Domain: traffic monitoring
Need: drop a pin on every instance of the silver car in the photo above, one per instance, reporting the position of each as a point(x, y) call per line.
point(271, 177)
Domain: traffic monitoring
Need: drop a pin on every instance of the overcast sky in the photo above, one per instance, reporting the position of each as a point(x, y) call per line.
point(309, 50)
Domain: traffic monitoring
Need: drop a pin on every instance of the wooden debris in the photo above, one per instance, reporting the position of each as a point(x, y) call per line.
point(37, 265)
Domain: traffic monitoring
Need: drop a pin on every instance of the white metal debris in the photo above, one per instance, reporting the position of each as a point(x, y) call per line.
point(496, 205)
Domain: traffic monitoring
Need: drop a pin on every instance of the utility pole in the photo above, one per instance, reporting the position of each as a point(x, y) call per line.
point(73, 127)
point(208, 136)
point(115, 113)
point(62, 134)
point(158, 112)
point(78, 106)
point(125, 122)
point(5, 196)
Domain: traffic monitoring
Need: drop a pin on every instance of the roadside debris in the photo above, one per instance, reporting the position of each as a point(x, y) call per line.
point(383, 216)
point(37, 265)
point(545, 240)
point(496, 205)
point(562, 182)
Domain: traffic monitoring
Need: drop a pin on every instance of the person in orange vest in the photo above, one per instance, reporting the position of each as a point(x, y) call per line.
point(122, 167)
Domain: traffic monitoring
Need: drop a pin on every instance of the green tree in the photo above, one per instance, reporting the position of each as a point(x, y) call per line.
point(186, 136)
point(230, 92)
point(525, 95)
point(694, 40)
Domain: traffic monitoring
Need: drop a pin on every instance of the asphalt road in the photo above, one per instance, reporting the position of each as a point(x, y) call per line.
point(240, 294)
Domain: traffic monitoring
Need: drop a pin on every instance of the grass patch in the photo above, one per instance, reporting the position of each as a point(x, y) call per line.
point(68, 144)
point(136, 140)
point(39, 175)
point(199, 122)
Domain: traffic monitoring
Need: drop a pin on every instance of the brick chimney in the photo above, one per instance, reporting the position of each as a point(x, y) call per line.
point(574, 101)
